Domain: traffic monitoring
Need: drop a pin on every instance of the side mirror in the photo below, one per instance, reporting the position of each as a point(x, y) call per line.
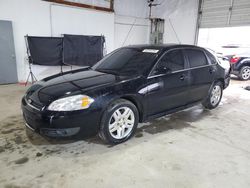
point(167, 70)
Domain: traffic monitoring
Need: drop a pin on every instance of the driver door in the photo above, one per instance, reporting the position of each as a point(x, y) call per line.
point(168, 84)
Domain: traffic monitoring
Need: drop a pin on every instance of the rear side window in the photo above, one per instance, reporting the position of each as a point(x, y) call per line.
point(196, 58)
point(172, 60)
point(211, 57)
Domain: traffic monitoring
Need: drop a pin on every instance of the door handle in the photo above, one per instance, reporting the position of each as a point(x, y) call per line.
point(182, 77)
point(211, 70)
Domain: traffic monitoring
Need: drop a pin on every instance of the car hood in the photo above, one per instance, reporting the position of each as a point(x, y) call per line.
point(72, 82)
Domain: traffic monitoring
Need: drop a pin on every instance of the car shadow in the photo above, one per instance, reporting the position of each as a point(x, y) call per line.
point(235, 78)
point(15, 138)
point(178, 120)
point(37, 139)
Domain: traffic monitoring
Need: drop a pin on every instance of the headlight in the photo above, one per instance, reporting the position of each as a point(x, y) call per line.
point(77, 102)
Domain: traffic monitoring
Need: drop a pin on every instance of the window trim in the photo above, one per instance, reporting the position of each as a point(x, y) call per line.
point(186, 61)
point(187, 69)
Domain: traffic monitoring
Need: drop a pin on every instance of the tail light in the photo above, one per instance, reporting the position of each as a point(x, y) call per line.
point(234, 59)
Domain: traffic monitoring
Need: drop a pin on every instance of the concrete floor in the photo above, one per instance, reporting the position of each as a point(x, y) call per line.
point(192, 148)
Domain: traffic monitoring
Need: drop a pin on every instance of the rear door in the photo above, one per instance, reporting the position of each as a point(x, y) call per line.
point(169, 90)
point(202, 74)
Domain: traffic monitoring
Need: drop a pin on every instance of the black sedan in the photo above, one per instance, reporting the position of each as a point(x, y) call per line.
point(240, 65)
point(130, 85)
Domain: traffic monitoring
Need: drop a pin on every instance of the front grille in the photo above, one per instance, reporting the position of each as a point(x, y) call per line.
point(49, 132)
point(33, 104)
point(60, 132)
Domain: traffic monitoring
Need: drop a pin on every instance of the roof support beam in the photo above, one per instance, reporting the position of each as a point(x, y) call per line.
point(81, 5)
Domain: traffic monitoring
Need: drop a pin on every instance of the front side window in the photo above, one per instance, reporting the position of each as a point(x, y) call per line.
point(172, 61)
point(196, 58)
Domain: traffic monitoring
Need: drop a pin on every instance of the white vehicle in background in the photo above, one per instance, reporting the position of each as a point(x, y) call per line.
point(233, 49)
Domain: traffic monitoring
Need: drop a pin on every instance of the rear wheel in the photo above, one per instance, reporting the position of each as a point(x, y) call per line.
point(119, 122)
point(245, 73)
point(214, 97)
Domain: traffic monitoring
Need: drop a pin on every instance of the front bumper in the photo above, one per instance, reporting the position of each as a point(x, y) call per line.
point(61, 124)
point(67, 132)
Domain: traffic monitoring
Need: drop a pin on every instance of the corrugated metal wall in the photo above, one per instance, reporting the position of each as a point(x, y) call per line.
point(225, 13)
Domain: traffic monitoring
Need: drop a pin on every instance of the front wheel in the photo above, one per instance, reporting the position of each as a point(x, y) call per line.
point(119, 122)
point(214, 96)
point(245, 73)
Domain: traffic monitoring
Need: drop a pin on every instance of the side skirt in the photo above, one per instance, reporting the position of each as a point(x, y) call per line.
point(171, 111)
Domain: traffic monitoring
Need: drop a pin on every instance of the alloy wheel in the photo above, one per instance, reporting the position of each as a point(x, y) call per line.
point(246, 73)
point(215, 95)
point(121, 123)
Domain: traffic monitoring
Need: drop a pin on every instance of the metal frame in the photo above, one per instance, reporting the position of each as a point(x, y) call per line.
point(30, 61)
point(198, 21)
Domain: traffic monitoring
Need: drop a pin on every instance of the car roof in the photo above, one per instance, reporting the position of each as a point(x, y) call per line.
point(163, 46)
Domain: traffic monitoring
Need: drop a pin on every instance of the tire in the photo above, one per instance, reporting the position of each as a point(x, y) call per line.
point(244, 73)
point(119, 122)
point(214, 96)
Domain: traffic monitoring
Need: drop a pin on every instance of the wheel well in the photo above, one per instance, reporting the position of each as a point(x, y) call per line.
point(247, 63)
point(222, 81)
point(137, 104)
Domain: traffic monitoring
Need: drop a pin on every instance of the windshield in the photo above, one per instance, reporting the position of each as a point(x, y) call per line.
point(127, 61)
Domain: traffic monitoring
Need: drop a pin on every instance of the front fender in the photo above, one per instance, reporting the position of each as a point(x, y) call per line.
point(244, 62)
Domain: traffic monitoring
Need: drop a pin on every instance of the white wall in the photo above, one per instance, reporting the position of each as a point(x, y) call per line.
point(131, 30)
point(25, 21)
point(129, 24)
point(39, 18)
point(78, 21)
point(132, 25)
point(180, 20)
point(132, 8)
